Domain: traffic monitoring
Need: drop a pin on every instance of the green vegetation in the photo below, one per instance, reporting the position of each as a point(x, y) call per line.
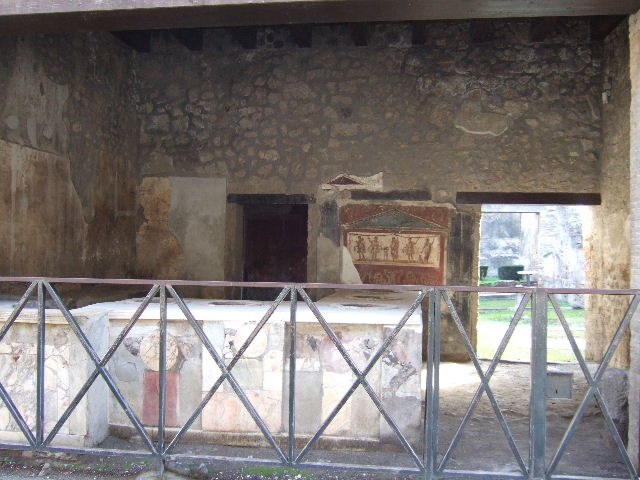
point(489, 280)
point(276, 470)
point(496, 313)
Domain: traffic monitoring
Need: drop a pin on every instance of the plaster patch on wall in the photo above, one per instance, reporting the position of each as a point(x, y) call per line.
point(197, 217)
point(41, 225)
point(472, 118)
point(182, 235)
point(36, 104)
point(348, 273)
point(158, 251)
point(481, 123)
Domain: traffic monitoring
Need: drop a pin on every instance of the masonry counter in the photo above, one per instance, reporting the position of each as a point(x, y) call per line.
point(362, 320)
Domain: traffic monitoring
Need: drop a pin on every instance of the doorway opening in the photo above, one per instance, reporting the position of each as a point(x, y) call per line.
point(275, 246)
point(530, 245)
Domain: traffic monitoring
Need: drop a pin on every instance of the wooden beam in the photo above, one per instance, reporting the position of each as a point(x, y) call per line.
point(270, 199)
point(189, 37)
point(541, 28)
point(54, 16)
point(301, 34)
point(601, 27)
point(528, 198)
point(482, 31)
point(246, 36)
point(406, 195)
point(359, 34)
point(139, 40)
point(418, 32)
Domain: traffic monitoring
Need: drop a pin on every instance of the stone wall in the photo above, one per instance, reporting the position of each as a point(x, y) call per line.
point(451, 115)
point(634, 377)
point(68, 142)
point(607, 249)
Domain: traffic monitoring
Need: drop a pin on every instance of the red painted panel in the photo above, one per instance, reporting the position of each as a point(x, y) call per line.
point(151, 396)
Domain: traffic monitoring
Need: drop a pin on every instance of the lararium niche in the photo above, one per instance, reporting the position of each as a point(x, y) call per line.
point(396, 244)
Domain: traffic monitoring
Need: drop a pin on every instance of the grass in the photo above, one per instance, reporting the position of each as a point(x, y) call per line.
point(496, 313)
point(268, 470)
point(489, 280)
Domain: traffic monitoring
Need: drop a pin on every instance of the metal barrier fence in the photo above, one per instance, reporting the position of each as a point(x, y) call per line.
point(429, 462)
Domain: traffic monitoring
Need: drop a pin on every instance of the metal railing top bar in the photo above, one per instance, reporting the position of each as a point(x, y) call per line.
point(316, 285)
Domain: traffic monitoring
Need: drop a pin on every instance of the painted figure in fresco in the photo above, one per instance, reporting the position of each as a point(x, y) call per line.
point(374, 248)
point(360, 247)
point(385, 253)
point(426, 250)
point(395, 246)
point(410, 248)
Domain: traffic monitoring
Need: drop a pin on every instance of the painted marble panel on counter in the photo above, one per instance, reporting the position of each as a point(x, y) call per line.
point(67, 367)
point(361, 320)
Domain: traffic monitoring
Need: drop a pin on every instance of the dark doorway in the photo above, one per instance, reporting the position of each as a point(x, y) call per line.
point(275, 247)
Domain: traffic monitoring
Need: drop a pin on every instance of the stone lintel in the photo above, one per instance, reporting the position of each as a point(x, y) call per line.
point(528, 198)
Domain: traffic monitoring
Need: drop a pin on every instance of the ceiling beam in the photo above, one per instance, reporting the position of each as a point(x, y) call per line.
point(359, 34)
point(138, 40)
point(191, 38)
point(418, 32)
point(301, 34)
point(246, 36)
point(106, 15)
point(541, 28)
point(601, 27)
point(482, 31)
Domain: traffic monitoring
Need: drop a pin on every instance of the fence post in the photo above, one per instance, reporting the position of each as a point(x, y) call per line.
point(538, 418)
point(162, 378)
point(292, 373)
point(431, 410)
point(40, 368)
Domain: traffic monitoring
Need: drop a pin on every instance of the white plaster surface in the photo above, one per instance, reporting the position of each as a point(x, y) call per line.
point(344, 307)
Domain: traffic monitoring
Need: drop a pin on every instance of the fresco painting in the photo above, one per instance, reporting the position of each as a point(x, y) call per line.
point(396, 244)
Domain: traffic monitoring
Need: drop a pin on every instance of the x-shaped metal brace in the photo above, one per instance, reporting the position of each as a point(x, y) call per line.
point(484, 382)
point(361, 376)
point(100, 367)
point(594, 390)
point(226, 371)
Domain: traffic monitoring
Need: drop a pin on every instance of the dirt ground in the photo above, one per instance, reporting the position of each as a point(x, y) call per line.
point(482, 447)
point(591, 452)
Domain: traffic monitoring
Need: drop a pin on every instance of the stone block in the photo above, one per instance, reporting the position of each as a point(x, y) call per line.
point(309, 389)
point(226, 413)
point(334, 386)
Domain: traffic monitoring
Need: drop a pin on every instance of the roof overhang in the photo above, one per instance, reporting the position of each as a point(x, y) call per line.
point(109, 15)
